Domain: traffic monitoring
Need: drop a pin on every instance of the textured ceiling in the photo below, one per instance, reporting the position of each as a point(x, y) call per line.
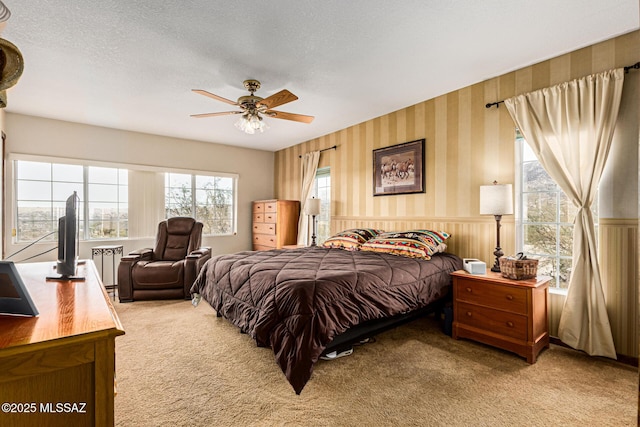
point(132, 64)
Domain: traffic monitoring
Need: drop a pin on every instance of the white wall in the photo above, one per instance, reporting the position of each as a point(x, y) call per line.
point(53, 138)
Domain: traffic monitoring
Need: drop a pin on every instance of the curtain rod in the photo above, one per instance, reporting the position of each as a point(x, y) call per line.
point(635, 66)
point(324, 149)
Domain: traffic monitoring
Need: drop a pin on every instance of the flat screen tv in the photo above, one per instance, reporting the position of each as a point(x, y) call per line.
point(68, 241)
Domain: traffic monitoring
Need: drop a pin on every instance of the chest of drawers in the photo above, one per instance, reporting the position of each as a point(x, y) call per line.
point(275, 223)
point(505, 313)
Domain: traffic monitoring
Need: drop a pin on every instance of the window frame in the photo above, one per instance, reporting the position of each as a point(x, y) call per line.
point(194, 205)
point(522, 222)
point(323, 221)
point(85, 201)
point(11, 227)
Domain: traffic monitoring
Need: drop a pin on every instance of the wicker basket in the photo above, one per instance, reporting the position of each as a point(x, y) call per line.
point(518, 268)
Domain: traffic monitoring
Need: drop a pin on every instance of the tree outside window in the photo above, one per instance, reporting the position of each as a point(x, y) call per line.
point(209, 199)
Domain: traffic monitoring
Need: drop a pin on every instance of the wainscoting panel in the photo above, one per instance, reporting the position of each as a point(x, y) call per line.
point(618, 266)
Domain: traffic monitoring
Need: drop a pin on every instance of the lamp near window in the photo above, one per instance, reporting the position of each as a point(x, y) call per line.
point(312, 208)
point(496, 200)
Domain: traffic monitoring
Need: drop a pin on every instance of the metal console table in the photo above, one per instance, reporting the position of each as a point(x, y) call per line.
point(112, 251)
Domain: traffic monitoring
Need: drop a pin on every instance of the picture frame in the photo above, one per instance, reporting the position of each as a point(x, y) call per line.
point(14, 296)
point(399, 169)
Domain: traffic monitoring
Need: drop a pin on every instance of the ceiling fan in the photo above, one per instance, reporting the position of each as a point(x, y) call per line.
point(253, 107)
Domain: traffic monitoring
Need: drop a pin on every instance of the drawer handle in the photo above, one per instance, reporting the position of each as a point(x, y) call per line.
point(469, 313)
point(510, 297)
point(468, 289)
point(510, 324)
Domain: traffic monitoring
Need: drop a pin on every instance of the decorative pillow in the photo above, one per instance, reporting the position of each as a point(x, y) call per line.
point(413, 244)
point(351, 239)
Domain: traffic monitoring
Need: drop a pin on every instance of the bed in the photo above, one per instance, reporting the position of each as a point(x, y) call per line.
point(301, 302)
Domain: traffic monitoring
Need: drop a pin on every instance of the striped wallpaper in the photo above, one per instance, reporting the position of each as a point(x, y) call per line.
point(468, 145)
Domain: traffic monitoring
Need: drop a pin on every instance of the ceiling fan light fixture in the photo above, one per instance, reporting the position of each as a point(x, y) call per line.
point(250, 123)
point(253, 108)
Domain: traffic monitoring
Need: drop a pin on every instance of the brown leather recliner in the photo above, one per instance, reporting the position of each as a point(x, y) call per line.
point(168, 270)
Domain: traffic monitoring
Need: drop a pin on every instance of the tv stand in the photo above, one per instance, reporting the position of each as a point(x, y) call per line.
point(63, 278)
point(65, 355)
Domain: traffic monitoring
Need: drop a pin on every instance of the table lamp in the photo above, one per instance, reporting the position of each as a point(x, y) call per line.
point(312, 208)
point(496, 200)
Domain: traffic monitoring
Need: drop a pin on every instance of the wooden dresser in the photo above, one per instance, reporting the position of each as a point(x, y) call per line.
point(58, 368)
point(275, 223)
point(505, 313)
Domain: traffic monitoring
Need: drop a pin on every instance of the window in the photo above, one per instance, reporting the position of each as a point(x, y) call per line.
point(209, 199)
point(545, 218)
point(107, 203)
point(322, 191)
point(42, 189)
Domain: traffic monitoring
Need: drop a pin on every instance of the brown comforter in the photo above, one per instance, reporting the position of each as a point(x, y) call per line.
point(296, 301)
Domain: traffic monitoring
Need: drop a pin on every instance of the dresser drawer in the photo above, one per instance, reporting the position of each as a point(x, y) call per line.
point(492, 295)
point(264, 228)
point(270, 217)
point(496, 321)
point(258, 207)
point(271, 206)
point(264, 240)
point(258, 217)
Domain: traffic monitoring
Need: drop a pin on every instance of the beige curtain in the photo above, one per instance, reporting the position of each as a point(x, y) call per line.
point(570, 127)
point(146, 209)
point(309, 168)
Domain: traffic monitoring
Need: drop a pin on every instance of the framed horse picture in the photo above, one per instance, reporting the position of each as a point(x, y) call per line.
point(399, 169)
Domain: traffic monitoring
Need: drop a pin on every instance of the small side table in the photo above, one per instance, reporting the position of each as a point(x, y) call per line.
point(112, 251)
point(508, 314)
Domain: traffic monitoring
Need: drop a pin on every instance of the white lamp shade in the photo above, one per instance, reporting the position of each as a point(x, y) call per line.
point(496, 199)
point(312, 207)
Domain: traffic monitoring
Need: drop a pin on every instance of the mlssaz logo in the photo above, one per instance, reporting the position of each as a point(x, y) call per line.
point(64, 407)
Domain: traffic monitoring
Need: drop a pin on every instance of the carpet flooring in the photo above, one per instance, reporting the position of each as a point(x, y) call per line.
point(182, 366)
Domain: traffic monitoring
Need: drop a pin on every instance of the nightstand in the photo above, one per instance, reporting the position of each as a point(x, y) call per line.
point(508, 314)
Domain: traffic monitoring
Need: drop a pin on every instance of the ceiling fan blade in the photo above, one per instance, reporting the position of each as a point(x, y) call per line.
point(279, 98)
point(211, 95)
point(289, 116)
point(223, 113)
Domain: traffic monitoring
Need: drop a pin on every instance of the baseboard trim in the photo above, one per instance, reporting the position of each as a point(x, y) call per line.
point(622, 358)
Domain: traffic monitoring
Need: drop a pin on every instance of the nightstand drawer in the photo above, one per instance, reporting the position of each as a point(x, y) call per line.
point(492, 295)
point(499, 322)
